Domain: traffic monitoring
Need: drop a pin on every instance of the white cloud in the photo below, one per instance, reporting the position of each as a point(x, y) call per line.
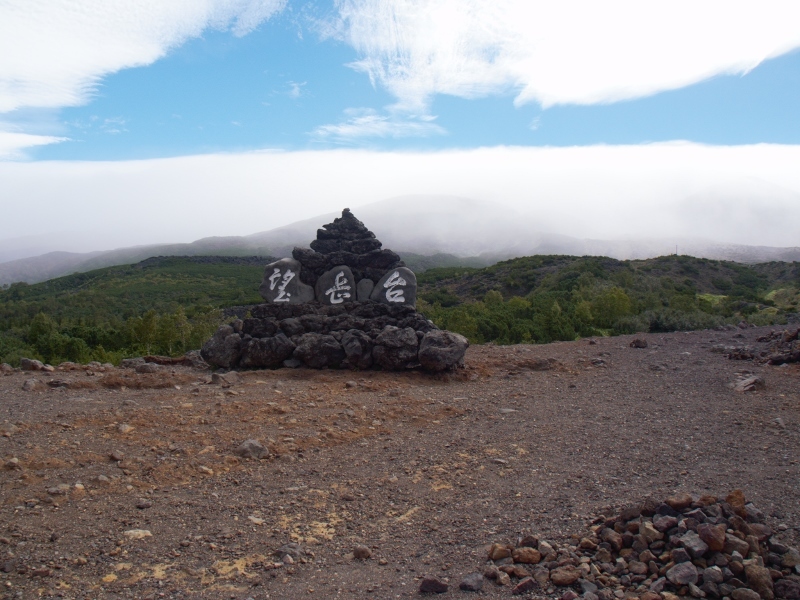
point(565, 52)
point(365, 123)
point(54, 52)
point(13, 144)
point(738, 194)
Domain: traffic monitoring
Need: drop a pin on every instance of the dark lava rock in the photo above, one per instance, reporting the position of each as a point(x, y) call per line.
point(357, 347)
point(223, 349)
point(252, 449)
point(364, 289)
point(786, 588)
point(318, 350)
point(396, 348)
point(442, 350)
point(266, 352)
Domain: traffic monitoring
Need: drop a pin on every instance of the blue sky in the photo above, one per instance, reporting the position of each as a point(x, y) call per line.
point(288, 82)
point(293, 107)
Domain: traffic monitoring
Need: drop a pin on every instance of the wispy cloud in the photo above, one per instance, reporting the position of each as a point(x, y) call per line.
point(363, 123)
point(296, 89)
point(13, 145)
point(56, 51)
point(566, 52)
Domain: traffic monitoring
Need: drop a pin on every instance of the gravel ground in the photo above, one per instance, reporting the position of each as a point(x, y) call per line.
point(424, 471)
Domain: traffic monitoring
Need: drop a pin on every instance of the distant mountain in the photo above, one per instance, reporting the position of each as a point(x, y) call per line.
point(414, 226)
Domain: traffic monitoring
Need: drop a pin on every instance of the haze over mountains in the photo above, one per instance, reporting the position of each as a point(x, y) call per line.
point(428, 225)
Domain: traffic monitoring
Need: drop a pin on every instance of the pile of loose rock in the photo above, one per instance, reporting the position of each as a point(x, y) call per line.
point(357, 335)
point(784, 346)
point(703, 548)
point(343, 303)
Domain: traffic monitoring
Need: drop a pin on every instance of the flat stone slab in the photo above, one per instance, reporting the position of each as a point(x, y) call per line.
point(398, 286)
point(282, 285)
point(336, 286)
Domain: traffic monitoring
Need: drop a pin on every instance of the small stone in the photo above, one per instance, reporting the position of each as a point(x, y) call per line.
point(566, 575)
point(361, 552)
point(658, 585)
point(713, 575)
point(638, 343)
point(205, 470)
point(613, 538)
point(786, 588)
point(650, 596)
point(524, 586)
point(499, 551)
point(41, 572)
point(735, 544)
point(142, 504)
point(502, 579)
point(30, 385)
point(682, 574)
point(29, 364)
point(432, 585)
point(526, 556)
point(252, 449)
point(693, 544)
point(570, 595)
point(744, 594)
point(760, 531)
point(116, 455)
point(713, 536)
point(638, 568)
point(472, 583)
point(679, 501)
point(759, 579)
point(680, 555)
point(650, 532)
point(750, 384)
point(149, 368)
point(587, 586)
point(137, 534)
point(791, 559)
point(124, 428)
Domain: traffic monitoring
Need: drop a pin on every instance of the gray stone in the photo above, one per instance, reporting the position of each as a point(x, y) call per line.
point(682, 574)
point(266, 352)
point(149, 368)
point(396, 348)
point(364, 289)
point(336, 286)
point(472, 582)
point(318, 350)
point(713, 574)
point(587, 586)
point(292, 363)
point(357, 347)
point(786, 588)
point(223, 349)
point(658, 585)
point(442, 350)
point(226, 379)
point(744, 594)
point(30, 364)
point(680, 555)
point(281, 283)
point(693, 544)
point(398, 286)
point(432, 585)
point(292, 326)
point(252, 449)
point(30, 385)
point(6, 368)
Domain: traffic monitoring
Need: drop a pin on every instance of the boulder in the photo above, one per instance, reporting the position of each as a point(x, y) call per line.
point(357, 347)
point(318, 350)
point(396, 348)
point(281, 283)
point(336, 286)
point(398, 286)
point(223, 349)
point(442, 350)
point(266, 352)
point(30, 364)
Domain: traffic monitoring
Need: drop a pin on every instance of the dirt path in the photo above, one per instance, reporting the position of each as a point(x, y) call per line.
point(424, 471)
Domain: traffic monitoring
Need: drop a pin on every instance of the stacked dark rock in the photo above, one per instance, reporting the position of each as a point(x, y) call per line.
point(684, 546)
point(348, 242)
point(325, 309)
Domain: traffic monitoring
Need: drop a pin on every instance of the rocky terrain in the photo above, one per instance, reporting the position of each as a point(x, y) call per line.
point(168, 481)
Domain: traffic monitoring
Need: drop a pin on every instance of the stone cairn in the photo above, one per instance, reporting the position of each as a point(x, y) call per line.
point(345, 302)
point(703, 548)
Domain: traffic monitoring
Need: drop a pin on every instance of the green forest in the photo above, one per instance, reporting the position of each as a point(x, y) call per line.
point(169, 305)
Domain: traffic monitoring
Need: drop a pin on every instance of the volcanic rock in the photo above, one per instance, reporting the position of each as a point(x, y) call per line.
point(282, 283)
point(442, 350)
point(336, 286)
point(398, 286)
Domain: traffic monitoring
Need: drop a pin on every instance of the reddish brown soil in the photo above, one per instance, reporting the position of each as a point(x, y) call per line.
point(424, 470)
